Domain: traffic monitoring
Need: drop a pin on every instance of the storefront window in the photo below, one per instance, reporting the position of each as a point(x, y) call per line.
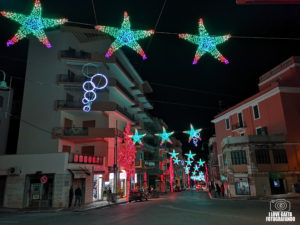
point(98, 187)
point(242, 186)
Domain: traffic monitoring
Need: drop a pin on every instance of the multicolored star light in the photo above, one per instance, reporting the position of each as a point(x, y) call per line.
point(194, 135)
point(190, 155)
point(33, 24)
point(206, 43)
point(165, 137)
point(125, 37)
point(201, 163)
point(137, 138)
point(173, 154)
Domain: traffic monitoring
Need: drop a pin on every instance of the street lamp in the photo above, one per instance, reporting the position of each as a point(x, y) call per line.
point(3, 83)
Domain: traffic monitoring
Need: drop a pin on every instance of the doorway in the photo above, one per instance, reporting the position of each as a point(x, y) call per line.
point(277, 186)
point(2, 189)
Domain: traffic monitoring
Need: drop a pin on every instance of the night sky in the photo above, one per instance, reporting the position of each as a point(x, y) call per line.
point(183, 93)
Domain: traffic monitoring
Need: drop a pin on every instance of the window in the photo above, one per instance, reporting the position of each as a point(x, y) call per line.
point(88, 150)
point(242, 186)
point(238, 157)
point(242, 134)
point(259, 131)
point(69, 98)
point(279, 156)
point(240, 118)
point(262, 156)
point(227, 121)
point(66, 148)
point(256, 112)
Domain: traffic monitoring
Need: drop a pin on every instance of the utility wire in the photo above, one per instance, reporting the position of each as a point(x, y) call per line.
point(182, 104)
point(94, 11)
point(192, 90)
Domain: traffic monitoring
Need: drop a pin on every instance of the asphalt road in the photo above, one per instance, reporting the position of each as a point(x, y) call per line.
point(185, 208)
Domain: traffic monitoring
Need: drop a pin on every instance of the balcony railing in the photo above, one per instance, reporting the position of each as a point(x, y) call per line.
point(84, 159)
point(67, 104)
point(72, 53)
point(71, 78)
point(74, 131)
point(116, 83)
point(239, 126)
point(149, 163)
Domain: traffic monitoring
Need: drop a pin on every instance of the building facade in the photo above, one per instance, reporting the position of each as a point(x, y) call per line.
point(258, 140)
point(61, 142)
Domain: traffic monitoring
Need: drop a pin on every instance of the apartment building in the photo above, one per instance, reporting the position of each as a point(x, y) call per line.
point(59, 144)
point(258, 139)
point(213, 162)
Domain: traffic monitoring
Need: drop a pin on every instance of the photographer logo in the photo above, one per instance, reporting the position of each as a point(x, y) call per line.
point(280, 211)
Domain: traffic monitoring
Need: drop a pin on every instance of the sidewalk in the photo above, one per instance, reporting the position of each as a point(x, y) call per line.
point(94, 205)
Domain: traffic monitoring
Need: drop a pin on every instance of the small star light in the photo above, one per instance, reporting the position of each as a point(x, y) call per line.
point(173, 154)
point(201, 163)
point(187, 169)
point(136, 138)
point(194, 135)
point(33, 24)
point(190, 155)
point(194, 173)
point(165, 136)
point(201, 173)
point(196, 167)
point(176, 161)
point(206, 43)
point(125, 36)
point(189, 162)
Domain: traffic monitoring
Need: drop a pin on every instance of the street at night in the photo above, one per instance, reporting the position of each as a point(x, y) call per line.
point(189, 207)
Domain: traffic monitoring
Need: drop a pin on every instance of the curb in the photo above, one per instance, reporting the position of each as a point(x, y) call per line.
point(99, 207)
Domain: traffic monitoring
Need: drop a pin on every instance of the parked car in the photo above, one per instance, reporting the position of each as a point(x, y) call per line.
point(137, 195)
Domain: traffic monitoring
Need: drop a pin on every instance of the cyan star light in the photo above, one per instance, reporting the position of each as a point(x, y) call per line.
point(176, 161)
point(187, 169)
point(206, 43)
point(189, 162)
point(165, 137)
point(201, 163)
point(196, 167)
point(190, 155)
point(194, 135)
point(137, 138)
point(33, 24)
point(201, 173)
point(125, 37)
point(194, 173)
point(173, 154)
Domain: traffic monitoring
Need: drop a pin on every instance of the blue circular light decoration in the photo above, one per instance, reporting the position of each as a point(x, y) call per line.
point(90, 94)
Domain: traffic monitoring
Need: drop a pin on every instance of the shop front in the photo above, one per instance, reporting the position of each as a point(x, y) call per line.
point(98, 187)
point(242, 186)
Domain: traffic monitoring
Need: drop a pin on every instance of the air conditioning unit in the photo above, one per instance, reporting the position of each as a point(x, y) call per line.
point(14, 171)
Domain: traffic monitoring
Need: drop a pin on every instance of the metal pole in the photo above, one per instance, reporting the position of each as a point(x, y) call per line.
point(116, 160)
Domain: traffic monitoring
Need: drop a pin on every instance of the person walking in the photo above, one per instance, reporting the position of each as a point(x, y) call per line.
point(222, 190)
point(218, 189)
point(78, 195)
point(71, 195)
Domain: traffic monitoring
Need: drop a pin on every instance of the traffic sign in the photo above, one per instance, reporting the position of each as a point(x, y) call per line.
point(44, 179)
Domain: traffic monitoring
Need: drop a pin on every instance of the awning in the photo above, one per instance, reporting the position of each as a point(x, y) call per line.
point(276, 176)
point(78, 174)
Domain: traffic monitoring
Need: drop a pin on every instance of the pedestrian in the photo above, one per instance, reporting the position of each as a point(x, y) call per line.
point(71, 194)
point(222, 190)
point(218, 189)
point(78, 195)
point(109, 196)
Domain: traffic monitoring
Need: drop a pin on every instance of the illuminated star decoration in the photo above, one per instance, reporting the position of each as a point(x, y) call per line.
point(196, 167)
point(190, 155)
point(33, 24)
point(201, 163)
point(189, 162)
point(194, 134)
point(187, 169)
point(176, 161)
point(125, 36)
point(206, 43)
point(201, 173)
point(194, 173)
point(136, 138)
point(165, 136)
point(173, 154)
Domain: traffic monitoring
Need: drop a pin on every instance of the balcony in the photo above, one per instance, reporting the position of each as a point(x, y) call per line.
point(84, 159)
point(149, 164)
point(139, 164)
point(70, 79)
point(74, 57)
point(78, 134)
point(122, 90)
point(238, 126)
point(108, 107)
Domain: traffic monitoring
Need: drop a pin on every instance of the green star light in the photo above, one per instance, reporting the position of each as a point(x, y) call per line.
point(125, 37)
point(190, 155)
point(193, 133)
point(176, 161)
point(173, 154)
point(206, 43)
point(201, 163)
point(33, 24)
